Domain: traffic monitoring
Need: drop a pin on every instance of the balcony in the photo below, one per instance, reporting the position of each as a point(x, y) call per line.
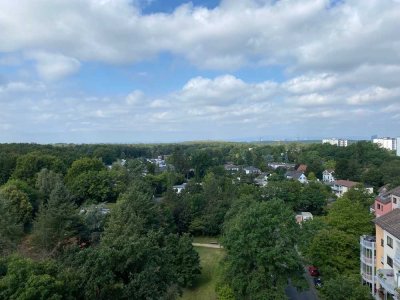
point(367, 241)
point(387, 280)
point(367, 277)
point(368, 260)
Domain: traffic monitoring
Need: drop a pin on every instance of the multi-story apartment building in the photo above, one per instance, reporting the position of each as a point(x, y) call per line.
point(380, 255)
point(386, 143)
point(336, 142)
point(387, 262)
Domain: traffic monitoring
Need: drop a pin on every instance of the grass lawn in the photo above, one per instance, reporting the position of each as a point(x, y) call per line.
point(205, 239)
point(204, 287)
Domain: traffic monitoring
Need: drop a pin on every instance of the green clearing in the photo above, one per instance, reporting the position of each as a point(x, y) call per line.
point(204, 287)
point(205, 239)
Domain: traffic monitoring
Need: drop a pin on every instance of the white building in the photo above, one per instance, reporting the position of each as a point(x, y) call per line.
point(328, 176)
point(398, 146)
point(179, 188)
point(340, 187)
point(336, 142)
point(386, 143)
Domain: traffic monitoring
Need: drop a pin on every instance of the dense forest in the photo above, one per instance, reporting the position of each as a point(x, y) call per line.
point(104, 221)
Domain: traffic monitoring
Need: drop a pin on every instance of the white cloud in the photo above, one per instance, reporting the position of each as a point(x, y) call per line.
point(135, 98)
point(53, 67)
point(309, 34)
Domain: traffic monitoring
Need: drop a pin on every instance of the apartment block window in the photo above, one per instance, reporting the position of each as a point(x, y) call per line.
point(382, 243)
point(389, 261)
point(390, 242)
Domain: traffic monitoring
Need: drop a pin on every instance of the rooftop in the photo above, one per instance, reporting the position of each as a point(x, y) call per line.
point(346, 183)
point(390, 222)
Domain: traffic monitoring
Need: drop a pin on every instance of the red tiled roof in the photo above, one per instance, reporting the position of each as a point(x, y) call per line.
point(346, 183)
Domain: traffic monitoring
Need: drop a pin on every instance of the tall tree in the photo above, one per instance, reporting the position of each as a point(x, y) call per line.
point(57, 220)
point(260, 250)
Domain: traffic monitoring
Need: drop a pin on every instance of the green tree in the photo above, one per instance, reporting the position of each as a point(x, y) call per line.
point(57, 220)
point(17, 203)
point(350, 217)
point(345, 287)
point(27, 279)
point(334, 252)
point(260, 250)
point(11, 228)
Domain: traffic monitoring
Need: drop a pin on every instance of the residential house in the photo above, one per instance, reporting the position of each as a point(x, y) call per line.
point(179, 188)
point(328, 176)
point(296, 175)
point(230, 167)
point(303, 216)
point(302, 168)
point(261, 180)
point(387, 262)
point(252, 170)
point(276, 165)
point(340, 187)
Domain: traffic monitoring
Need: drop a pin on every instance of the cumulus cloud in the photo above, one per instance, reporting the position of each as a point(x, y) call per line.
point(310, 34)
point(52, 67)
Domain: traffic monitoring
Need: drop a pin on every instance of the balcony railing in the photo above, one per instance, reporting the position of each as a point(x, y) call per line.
point(367, 242)
point(367, 277)
point(396, 259)
point(368, 260)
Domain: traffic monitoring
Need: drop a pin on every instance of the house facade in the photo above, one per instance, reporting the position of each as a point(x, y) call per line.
point(296, 175)
point(387, 143)
point(340, 187)
point(336, 142)
point(328, 176)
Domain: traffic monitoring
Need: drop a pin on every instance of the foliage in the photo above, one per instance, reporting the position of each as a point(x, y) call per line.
point(334, 252)
point(350, 217)
point(27, 279)
point(345, 287)
point(57, 220)
point(268, 232)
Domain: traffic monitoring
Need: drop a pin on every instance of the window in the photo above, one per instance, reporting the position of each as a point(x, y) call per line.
point(389, 242)
point(389, 261)
point(378, 206)
point(394, 200)
point(382, 243)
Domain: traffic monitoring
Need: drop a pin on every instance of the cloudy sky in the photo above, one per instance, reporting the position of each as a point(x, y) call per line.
point(159, 71)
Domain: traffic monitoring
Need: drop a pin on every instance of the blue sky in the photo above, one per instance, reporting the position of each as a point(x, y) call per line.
point(126, 71)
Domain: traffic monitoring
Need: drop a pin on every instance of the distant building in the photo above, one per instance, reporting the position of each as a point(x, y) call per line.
point(336, 142)
point(328, 176)
point(386, 201)
point(251, 170)
point(179, 188)
point(398, 146)
point(340, 187)
point(261, 180)
point(303, 216)
point(302, 168)
point(296, 175)
point(230, 167)
point(387, 143)
point(276, 165)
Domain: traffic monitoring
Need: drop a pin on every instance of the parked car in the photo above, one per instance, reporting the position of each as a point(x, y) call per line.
point(317, 282)
point(313, 271)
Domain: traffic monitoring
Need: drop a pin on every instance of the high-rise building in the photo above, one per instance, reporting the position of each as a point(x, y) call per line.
point(335, 142)
point(387, 143)
point(398, 146)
